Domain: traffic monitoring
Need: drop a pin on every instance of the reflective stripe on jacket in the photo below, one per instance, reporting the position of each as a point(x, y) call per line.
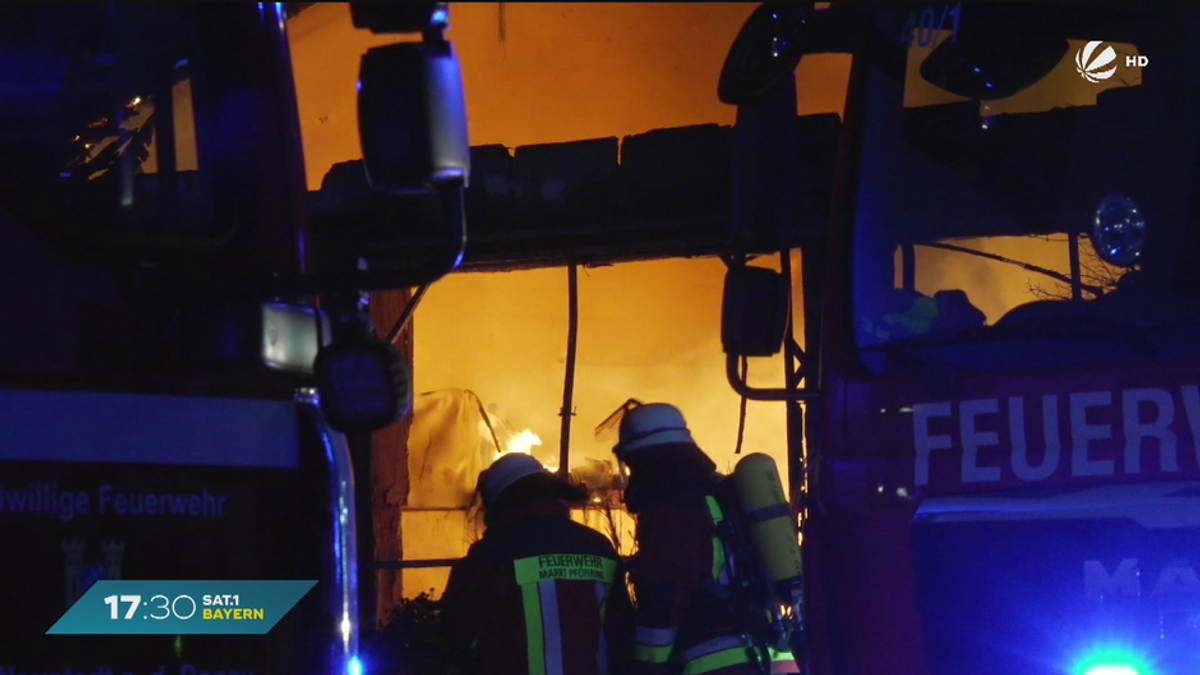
point(540, 578)
point(680, 556)
point(731, 653)
point(538, 595)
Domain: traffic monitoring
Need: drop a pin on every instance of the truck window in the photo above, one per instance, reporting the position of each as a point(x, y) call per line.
point(1007, 223)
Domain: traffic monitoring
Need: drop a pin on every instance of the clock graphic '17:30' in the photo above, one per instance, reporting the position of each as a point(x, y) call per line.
point(161, 607)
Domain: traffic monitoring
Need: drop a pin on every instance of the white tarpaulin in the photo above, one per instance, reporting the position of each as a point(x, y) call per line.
point(444, 458)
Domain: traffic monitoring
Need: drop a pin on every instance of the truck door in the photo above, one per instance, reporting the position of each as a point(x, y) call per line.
point(104, 485)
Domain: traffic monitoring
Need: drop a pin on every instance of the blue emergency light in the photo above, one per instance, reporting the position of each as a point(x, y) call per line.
point(1112, 661)
point(1112, 669)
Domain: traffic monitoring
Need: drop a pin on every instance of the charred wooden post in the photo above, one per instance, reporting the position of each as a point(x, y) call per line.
point(569, 387)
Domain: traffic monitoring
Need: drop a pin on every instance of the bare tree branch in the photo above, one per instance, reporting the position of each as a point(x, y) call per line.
point(1096, 290)
point(1097, 276)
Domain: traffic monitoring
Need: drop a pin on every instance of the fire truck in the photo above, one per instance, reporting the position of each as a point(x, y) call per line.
point(992, 409)
point(991, 421)
point(999, 384)
point(189, 380)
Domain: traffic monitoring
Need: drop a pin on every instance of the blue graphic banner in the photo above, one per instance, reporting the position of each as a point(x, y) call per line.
point(181, 607)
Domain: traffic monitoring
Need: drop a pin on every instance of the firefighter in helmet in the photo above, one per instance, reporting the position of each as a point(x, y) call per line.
point(538, 594)
point(684, 623)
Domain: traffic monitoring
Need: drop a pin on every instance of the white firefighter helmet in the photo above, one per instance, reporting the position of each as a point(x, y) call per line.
point(504, 472)
point(649, 425)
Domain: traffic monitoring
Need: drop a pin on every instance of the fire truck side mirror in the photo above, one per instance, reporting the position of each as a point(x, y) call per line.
point(774, 40)
point(754, 314)
point(964, 67)
point(765, 52)
point(398, 17)
point(412, 118)
point(412, 123)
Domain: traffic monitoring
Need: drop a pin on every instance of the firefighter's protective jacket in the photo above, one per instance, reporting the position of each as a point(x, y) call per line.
point(539, 594)
point(682, 624)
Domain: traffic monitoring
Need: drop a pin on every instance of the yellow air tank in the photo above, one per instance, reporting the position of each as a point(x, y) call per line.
point(768, 517)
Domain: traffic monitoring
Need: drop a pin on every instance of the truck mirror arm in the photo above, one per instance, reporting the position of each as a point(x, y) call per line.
point(447, 259)
point(743, 388)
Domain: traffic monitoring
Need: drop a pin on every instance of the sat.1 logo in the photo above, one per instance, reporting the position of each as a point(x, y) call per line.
point(1098, 66)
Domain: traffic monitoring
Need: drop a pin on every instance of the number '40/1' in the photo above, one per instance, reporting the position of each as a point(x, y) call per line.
point(924, 25)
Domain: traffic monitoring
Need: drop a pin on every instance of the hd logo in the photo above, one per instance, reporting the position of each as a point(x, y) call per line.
point(1097, 65)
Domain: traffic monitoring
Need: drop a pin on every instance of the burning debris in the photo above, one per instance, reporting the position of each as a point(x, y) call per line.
point(499, 437)
point(454, 436)
point(601, 479)
point(523, 443)
point(443, 469)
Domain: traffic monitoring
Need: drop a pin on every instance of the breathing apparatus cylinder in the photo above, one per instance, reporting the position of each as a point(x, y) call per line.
point(768, 515)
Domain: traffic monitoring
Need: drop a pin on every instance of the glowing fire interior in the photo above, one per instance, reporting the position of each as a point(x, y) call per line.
point(522, 443)
point(647, 330)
